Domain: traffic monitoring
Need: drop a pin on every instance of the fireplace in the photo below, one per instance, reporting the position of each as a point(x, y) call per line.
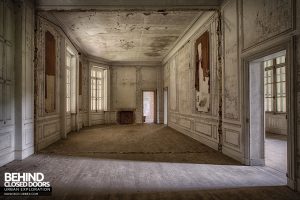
point(126, 117)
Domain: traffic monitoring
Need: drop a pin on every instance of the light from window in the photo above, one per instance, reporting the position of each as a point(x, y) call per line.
point(275, 84)
point(280, 85)
point(68, 82)
point(97, 89)
point(268, 89)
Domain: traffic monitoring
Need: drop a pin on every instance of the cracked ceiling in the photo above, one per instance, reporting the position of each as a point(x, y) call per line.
point(124, 35)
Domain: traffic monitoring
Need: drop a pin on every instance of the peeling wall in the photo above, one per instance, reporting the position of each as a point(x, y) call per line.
point(251, 28)
point(179, 77)
point(242, 34)
point(183, 68)
point(231, 81)
point(126, 35)
point(53, 126)
point(262, 20)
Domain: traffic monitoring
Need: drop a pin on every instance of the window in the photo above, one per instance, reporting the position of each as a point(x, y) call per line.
point(97, 89)
point(275, 85)
point(68, 81)
point(268, 85)
point(80, 78)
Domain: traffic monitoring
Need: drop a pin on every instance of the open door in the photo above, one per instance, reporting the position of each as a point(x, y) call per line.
point(268, 104)
point(149, 106)
point(165, 106)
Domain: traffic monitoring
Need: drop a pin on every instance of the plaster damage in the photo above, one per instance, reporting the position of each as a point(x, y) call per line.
point(265, 19)
point(124, 35)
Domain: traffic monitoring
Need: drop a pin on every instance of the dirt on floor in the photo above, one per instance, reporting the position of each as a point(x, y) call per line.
point(146, 142)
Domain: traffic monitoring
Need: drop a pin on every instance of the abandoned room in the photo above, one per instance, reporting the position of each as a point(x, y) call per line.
point(129, 99)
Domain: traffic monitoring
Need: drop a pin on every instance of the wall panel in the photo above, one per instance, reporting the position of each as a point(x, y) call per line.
point(266, 19)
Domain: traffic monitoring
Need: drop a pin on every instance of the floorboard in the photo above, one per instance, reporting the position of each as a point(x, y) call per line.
point(147, 162)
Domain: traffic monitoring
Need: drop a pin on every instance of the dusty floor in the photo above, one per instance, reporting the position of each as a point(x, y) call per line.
point(276, 151)
point(147, 162)
point(138, 142)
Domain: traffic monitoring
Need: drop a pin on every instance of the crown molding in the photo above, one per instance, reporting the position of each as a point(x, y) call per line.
point(133, 5)
point(188, 34)
point(136, 63)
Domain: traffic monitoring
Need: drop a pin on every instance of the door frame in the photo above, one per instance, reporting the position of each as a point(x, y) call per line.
point(166, 90)
point(291, 124)
point(155, 105)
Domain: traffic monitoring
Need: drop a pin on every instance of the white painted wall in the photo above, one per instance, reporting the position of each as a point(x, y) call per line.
point(179, 78)
point(16, 80)
point(276, 123)
point(24, 86)
point(246, 28)
point(256, 100)
point(50, 127)
point(127, 84)
point(7, 84)
point(166, 107)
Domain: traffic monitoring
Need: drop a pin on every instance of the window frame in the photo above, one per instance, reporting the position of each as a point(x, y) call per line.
point(274, 97)
point(99, 94)
point(68, 71)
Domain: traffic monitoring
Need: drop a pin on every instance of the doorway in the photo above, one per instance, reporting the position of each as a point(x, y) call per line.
point(149, 106)
point(268, 96)
point(275, 105)
point(268, 122)
point(166, 106)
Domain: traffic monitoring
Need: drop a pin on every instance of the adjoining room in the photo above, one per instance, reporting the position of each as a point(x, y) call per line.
point(152, 99)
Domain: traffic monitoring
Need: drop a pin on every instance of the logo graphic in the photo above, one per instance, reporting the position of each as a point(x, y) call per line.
point(25, 184)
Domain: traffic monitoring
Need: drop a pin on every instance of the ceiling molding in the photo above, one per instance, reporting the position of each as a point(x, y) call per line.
point(98, 60)
point(94, 59)
point(189, 33)
point(183, 34)
point(128, 4)
point(136, 63)
point(182, 39)
point(52, 19)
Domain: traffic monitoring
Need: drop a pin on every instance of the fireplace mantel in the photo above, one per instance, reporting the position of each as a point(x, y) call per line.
point(126, 116)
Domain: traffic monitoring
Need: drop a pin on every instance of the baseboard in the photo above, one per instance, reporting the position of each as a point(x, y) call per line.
point(22, 154)
point(257, 162)
point(246, 162)
point(195, 136)
point(295, 185)
point(234, 155)
point(7, 158)
point(43, 144)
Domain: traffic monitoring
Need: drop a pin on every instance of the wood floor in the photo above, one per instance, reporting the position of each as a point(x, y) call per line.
point(147, 162)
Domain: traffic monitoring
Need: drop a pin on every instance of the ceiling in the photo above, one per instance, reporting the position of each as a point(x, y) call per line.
point(121, 35)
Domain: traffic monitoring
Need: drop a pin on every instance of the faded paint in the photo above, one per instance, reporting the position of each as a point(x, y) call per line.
point(124, 35)
point(265, 19)
point(230, 71)
point(202, 73)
